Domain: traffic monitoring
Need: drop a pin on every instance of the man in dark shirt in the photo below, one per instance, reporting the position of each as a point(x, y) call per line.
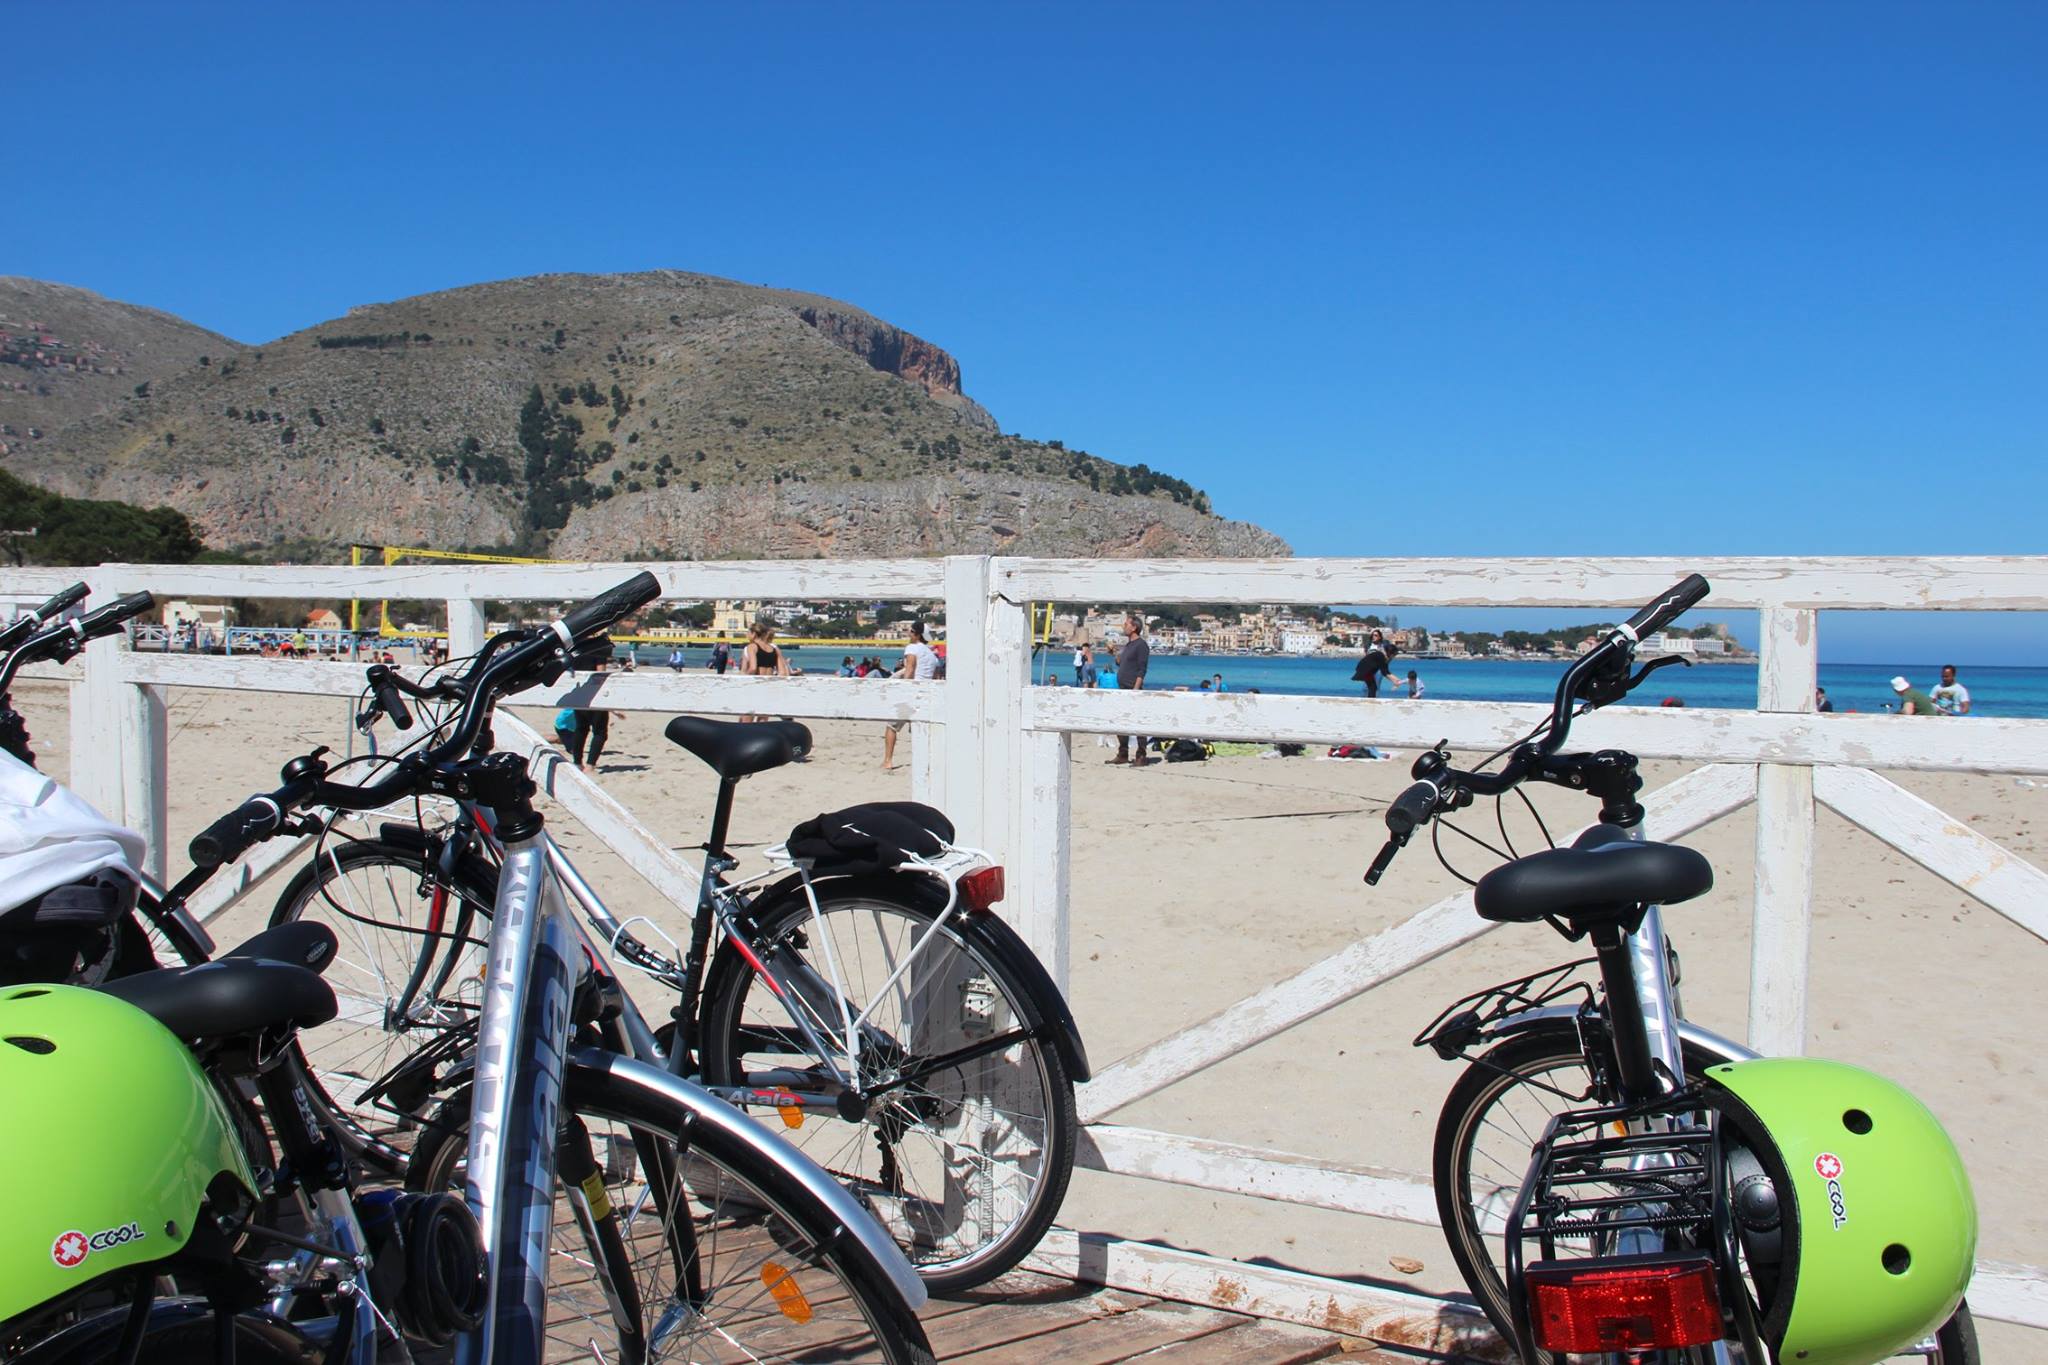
point(1131, 662)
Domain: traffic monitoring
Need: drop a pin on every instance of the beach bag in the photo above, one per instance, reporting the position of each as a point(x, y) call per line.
point(1186, 751)
point(1353, 751)
point(874, 837)
point(1291, 750)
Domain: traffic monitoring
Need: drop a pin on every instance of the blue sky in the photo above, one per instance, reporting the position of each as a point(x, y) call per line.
point(1556, 280)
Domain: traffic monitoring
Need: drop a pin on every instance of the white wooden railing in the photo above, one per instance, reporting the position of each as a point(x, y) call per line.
point(994, 752)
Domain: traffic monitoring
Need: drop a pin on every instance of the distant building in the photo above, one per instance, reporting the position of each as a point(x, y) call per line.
point(324, 619)
point(215, 616)
point(1300, 642)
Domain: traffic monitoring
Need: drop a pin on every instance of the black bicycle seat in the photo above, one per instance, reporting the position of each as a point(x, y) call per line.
point(1600, 880)
point(303, 943)
point(735, 749)
point(230, 998)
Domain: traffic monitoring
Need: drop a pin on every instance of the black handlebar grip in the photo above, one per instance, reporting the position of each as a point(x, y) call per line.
point(608, 606)
point(229, 837)
point(63, 601)
point(114, 615)
point(386, 692)
point(1411, 808)
point(1667, 608)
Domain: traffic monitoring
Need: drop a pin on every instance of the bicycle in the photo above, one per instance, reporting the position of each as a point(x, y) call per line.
point(1613, 1178)
point(548, 1097)
point(901, 1034)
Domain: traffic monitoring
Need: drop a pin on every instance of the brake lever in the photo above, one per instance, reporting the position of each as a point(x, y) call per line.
point(1379, 865)
point(1651, 667)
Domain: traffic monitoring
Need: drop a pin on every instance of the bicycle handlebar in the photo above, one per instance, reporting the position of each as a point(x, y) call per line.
point(17, 631)
point(508, 662)
point(598, 614)
point(1666, 609)
point(1597, 678)
point(110, 618)
point(389, 700)
point(62, 641)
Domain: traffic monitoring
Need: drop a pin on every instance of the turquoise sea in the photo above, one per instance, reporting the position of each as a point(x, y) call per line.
point(1994, 690)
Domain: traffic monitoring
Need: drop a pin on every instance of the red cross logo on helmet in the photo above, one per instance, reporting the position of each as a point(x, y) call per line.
point(69, 1249)
point(1829, 1165)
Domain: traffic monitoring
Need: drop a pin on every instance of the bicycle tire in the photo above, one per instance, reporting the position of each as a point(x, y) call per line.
point(991, 1141)
point(787, 1282)
point(1507, 1067)
point(377, 896)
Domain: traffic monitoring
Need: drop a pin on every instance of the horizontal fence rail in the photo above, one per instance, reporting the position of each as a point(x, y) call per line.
point(995, 752)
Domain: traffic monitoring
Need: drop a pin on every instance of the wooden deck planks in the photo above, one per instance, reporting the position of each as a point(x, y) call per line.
point(1029, 1317)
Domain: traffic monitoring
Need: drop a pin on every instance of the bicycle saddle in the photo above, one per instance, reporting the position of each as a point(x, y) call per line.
point(299, 942)
point(228, 998)
point(735, 749)
point(1602, 879)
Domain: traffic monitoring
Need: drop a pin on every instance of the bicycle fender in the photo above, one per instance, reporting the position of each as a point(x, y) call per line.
point(1049, 1014)
point(595, 1066)
point(1690, 1034)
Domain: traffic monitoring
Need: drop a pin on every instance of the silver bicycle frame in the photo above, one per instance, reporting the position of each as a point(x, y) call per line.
point(1649, 960)
point(522, 1042)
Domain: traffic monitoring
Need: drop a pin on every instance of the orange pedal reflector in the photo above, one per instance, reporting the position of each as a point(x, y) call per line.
point(788, 1297)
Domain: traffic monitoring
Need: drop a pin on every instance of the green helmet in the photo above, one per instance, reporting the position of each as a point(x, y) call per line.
point(1880, 1225)
point(113, 1138)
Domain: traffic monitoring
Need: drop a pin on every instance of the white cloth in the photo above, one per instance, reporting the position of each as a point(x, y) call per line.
point(49, 837)
point(924, 660)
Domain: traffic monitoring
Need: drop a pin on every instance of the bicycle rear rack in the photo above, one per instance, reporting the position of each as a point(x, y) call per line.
point(1628, 1181)
point(1463, 1023)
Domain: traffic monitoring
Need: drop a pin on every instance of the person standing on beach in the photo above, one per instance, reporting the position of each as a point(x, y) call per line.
point(1375, 665)
point(593, 728)
point(1821, 702)
point(1132, 661)
point(920, 663)
point(1912, 701)
point(1082, 658)
point(721, 656)
point(761, 659)
point(1951, 696)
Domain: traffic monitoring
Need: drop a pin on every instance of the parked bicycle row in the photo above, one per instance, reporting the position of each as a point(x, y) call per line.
point(422, 1109)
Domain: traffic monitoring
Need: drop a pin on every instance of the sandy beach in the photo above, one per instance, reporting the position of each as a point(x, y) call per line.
point(1195, 884)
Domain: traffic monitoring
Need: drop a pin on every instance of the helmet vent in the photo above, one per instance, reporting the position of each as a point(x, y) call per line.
point(1897, 1260)
point(27, 995)
point(41, 1047)
point(1856, 1121)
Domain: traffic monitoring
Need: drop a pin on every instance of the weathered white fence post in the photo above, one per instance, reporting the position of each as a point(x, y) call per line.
point(1781, 925)
point(465, 627)
point(118, 738)
point(967, 666)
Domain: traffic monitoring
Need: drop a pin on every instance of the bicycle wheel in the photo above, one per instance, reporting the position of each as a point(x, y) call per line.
point(959, 1143)
point(718, 1255)
point(1491, 1120)
point(407, 969)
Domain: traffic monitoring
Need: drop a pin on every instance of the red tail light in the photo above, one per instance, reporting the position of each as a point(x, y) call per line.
point(1624, 1303)
point(982, 888)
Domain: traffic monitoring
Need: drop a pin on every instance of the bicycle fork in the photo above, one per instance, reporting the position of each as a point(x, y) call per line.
point(522, 1040)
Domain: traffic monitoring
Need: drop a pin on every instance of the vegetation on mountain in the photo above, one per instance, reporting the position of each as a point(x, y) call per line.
point(38, 527)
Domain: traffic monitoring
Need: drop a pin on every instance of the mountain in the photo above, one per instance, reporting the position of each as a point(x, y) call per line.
point(66, 353)
point(660, 414)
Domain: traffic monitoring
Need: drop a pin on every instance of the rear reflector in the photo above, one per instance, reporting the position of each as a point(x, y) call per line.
point(982, 888)
point(1624, 1303)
